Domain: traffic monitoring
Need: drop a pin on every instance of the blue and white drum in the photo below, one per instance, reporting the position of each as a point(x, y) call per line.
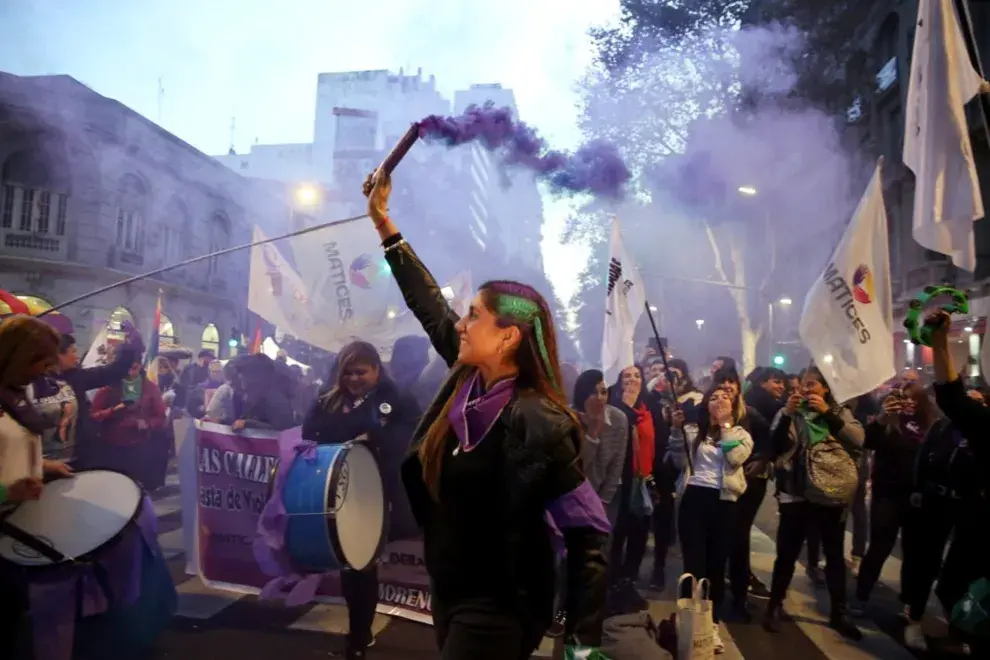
point(336, 509)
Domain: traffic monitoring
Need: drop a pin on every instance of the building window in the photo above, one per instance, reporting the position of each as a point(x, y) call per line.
point(219, 240)
point(7, 210)
point(132, 206)
point(166, 333)
point(27, 207)
point(117, 318)
point(130, 230)
point(211, 339)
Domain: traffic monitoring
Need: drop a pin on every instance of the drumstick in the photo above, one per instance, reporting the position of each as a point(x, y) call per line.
point(187, 262)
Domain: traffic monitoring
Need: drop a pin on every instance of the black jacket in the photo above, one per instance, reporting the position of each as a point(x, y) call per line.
point(388, 418)
point(971, 418)
point(536, 453)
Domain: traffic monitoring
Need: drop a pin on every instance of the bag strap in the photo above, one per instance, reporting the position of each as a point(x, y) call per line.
point(680, 582)
point(702, 591)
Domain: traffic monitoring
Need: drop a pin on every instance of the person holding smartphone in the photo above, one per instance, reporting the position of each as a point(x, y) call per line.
point(895, 438)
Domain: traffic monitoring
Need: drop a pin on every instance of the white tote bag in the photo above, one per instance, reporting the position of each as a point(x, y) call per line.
point(695, 627)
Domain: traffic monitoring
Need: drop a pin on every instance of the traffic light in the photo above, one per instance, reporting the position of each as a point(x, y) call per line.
point(234, 340)
point(778, 360)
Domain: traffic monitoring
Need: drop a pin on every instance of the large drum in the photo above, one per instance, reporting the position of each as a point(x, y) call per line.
point(72, 521)
point(336, 509)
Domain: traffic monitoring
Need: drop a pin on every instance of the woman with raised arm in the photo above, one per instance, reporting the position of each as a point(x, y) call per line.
point(495, 453)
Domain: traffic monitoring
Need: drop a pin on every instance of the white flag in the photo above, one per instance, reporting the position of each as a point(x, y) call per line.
point(93, 358)
point(947, 196)
point(624, 305)
point(847, 323)
point(277, 294)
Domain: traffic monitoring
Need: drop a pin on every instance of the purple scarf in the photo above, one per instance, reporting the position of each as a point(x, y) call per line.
point(475, 411)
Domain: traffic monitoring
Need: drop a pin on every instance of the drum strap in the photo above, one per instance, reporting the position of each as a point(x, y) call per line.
point(31, 541)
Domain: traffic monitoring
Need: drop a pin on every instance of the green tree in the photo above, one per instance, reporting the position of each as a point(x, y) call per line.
point(694, 105)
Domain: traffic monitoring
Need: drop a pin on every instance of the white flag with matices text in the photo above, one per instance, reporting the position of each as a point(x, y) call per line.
point(624, 305)
point(947, 196)
point(847, 323)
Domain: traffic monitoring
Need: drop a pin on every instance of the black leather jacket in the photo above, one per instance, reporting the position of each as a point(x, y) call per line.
point(539, 454)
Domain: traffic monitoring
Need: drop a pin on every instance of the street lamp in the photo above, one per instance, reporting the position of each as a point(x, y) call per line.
point(783, 302)
point(700, 322)
point(306, 194)
point(749, 191)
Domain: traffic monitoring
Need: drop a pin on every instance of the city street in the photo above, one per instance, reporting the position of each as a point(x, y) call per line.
point(213, 624)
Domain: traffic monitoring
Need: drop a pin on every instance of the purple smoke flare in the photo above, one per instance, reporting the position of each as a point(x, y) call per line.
point(595, 167)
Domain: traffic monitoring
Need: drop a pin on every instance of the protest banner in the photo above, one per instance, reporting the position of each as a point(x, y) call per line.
point(232, 485)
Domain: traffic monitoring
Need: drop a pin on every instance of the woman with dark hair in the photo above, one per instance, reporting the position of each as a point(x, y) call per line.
point(687, 395)
point(128, 412)
point(632, 527)
point(895, 438)
point(605, 433)
point(259, 402)
point(496, 451)
point(814, 434)
point(709, 487)
point(365, 405)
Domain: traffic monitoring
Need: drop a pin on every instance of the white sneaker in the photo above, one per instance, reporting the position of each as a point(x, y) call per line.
point(914, 637)
point(717, 643)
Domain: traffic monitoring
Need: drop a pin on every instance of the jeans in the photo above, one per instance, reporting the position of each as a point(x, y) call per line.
point(796, 520)
point(746, 509)
point(860, 513)
point(704, 523)
point(889, 514)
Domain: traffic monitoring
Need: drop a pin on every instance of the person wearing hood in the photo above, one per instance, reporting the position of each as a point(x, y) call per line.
point(60, 397)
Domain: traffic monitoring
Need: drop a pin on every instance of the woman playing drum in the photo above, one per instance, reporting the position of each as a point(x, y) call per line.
point(365, 404)
point(496, 452)
point(28, 350)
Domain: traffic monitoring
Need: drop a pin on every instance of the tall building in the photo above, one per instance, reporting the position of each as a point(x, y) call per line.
point(456, 201)
point(92, 193)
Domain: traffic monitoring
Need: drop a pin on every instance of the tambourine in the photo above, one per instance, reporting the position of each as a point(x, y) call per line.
point(922, 334)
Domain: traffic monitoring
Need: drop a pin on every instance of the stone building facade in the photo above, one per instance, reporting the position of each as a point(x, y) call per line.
point(92, 193)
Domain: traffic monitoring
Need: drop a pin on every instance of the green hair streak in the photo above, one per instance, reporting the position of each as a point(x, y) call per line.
point(527, 311)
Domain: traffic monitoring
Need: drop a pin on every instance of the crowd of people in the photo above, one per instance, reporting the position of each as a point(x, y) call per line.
point(493, 439)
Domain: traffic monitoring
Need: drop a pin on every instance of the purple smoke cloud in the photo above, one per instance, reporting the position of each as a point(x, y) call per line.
point(595, 167)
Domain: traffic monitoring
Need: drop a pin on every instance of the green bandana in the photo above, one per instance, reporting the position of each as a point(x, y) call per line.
point(527, 311)
point(131, 390)
point(817, 428)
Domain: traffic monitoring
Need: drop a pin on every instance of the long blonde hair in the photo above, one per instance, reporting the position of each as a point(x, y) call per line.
point(536, 358)
point(24, 343)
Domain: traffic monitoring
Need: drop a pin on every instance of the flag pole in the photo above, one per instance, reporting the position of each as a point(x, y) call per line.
point(187, 262)
point(670, 380)
point(966, 24)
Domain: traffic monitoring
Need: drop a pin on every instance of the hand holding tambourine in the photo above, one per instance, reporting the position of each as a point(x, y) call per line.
point(936, 321)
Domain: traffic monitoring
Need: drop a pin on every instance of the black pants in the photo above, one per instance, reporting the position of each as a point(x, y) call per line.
point(704, 524)
point(746, 510)
point(860, 513)
point(629, 539)
point(663, 525)
point(480, 631)
point(889, 515)
point(796, 519)
point(931, 527)
point(14, 631)
point(361, 595)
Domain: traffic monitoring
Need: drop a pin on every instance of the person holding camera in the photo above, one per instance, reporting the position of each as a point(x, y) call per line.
point(895, 438)
point(127, 412)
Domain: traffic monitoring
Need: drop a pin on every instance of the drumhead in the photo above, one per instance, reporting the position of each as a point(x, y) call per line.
point(360, 507)
point(75, 516)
